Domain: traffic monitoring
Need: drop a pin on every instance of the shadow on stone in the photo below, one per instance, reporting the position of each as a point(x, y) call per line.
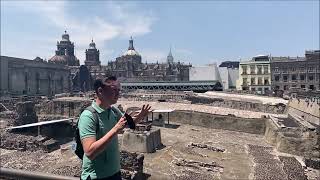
point(172, 126)
point(161, 146)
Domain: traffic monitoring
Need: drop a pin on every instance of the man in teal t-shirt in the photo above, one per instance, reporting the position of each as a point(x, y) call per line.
point(101, 159)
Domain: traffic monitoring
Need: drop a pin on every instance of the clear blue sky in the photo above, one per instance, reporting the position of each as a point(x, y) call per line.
point(198, 32)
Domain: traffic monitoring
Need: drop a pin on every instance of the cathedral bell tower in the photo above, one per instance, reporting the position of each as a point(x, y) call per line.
point(92, 55)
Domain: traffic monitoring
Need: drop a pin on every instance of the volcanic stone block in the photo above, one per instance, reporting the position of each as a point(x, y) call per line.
point(313, 162)
point(26, 113)
point(137, 141)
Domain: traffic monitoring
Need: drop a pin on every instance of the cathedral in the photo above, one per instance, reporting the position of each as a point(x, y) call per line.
point(65, 52)
point(127, 67)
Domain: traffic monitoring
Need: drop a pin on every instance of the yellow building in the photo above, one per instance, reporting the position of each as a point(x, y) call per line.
point(255, 75)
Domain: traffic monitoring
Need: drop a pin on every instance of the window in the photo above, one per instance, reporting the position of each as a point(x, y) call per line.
point(285, 78)
point(244, 81)
point(265, 69)
point(266, 90)
point(302, 77)
point(244, 69)
point(253, 81)
point(311, 87)
point(276, 78)
point(310, 78)
point(303, 86)
point(259, 69)
point(293, 77)
point(260, 80)
point(276, 69)
point(253, 89)
point(302, 69)
point(266, 81)
point(293, 69)
point(310, 69)
point(252, 69)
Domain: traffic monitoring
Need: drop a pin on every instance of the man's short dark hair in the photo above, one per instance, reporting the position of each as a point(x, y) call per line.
point(100, 82)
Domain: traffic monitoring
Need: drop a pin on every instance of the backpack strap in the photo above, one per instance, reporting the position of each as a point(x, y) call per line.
point(116, 112)
point(95, 116)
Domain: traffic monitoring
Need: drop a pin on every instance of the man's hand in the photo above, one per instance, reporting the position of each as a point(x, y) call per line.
point(120, 125)
point(142, 114)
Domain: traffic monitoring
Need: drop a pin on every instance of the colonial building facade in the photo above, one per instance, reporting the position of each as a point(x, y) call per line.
point(296, 72)
point(255, 75)
point(32, 77)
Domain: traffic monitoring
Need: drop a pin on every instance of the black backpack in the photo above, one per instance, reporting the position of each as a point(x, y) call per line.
point(79, 148)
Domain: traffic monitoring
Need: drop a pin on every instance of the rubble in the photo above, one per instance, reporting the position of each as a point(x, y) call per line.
point(198, 165)
point(26, 113)
point(266, 166)
point(292, 168)
point(204, 146)
point(312, 162)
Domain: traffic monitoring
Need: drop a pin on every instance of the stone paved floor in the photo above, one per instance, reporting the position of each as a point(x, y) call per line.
point(246, 156)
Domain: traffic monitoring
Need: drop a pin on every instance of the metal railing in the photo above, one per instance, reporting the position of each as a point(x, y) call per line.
point(29, 175)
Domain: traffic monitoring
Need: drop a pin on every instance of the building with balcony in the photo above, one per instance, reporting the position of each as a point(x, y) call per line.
point(296, 72)
point(255, 75)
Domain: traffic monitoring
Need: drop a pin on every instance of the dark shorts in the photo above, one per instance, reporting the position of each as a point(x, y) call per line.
point(116, 176)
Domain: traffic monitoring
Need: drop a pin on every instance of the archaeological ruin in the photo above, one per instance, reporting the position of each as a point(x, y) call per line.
point(212, 135)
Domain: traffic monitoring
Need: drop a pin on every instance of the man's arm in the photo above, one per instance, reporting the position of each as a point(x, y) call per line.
point(92, 147)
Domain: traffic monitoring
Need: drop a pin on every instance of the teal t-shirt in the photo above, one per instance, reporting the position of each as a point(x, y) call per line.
point(107, 162)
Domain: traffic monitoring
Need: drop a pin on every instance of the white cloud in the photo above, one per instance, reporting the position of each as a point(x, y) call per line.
point(128, 21)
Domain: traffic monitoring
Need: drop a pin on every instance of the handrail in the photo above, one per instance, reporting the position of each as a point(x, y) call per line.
point(31, 175)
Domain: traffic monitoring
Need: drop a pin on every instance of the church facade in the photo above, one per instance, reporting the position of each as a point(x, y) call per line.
point(130, 68)
point(65, 52)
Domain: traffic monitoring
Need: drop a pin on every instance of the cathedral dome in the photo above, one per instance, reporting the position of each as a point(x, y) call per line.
point(65, 60)
point(131, 51)
point(59, 59)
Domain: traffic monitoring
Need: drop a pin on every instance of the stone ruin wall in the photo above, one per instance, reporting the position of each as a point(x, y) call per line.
point(299, 141)
point(214, 121)
point(61, 108)
point(308, 108)
point(217, 102)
